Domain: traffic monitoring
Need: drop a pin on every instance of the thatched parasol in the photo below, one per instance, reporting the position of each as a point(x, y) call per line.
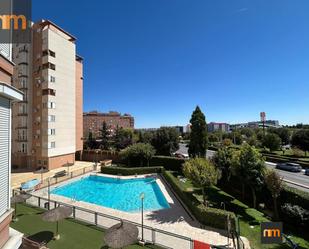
point(57, 214)
point(18, 199)
point(121, 235)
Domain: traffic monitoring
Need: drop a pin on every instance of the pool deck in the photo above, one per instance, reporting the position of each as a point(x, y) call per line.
point(174, 219)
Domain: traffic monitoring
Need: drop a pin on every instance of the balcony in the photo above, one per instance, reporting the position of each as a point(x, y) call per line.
point(22, 140)
point(21, 127)
point(23, 114)
point(49, 91)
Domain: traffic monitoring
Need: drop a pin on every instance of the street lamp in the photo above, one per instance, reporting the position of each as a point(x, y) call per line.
point(48, 193)
point(142, 197)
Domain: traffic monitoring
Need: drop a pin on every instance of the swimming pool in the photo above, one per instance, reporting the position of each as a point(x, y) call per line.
point(121, 194)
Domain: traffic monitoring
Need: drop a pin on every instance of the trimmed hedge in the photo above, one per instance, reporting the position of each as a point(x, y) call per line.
point(130, 171)
point(213, 217)
point(169, 163)
point(295, 196)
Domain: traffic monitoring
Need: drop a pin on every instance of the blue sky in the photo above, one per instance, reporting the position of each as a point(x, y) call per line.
point(158, 59)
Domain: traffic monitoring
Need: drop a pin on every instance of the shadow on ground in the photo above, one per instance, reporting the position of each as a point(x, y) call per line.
point(45, 236)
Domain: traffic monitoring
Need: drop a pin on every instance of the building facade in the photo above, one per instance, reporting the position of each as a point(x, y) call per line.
point(93, 122)
point(223, 127)
point(257, 124)
point(9, 238)
point(47, 123)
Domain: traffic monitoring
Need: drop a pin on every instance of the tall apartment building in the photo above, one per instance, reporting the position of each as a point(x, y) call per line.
point(47, 124)
point(9, 238)
point(93, 121)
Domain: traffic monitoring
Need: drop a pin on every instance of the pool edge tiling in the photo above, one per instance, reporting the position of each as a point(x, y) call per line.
point(120, 194)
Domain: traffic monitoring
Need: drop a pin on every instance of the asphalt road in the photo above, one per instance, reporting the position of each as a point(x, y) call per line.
point(296, 180)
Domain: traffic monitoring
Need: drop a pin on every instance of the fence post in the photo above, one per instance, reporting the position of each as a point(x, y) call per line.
point(83, 170)
point(96, 218)
point(191, 244)
point(39, 201)
point(74, 215)
point(71, 174)
point(153, 235)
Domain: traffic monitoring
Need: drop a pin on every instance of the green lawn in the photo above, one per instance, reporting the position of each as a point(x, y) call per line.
point(74, 234)
point(249, 218)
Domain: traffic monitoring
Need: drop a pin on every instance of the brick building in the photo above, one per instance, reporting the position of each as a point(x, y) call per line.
point(93, 122)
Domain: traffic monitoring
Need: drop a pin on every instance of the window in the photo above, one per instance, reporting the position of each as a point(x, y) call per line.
point(51, 131)
point(49, 65)
point(51, 118)
point(45, 162)
point(51, 145)
point(24, 148)
point(39, 162)
point(49, 105)
point(49, 52)
point(49, 91)
point(52, 79)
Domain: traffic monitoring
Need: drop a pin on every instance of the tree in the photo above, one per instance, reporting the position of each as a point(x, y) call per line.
point(90, 143)
point(275, 184)
point(235, 136)
point(223, 161)
point(166, 141)
point(213, 138)
point(123, 138)
point(198, 136)
point(300, 139)
point(253, 141)
point(138, 153)
point(284, 134)
point(271, 141)
point(202, 173)
point(249, 166)
point(146, 137)
point(105, 136)
point(248, 132)
point(227, 142)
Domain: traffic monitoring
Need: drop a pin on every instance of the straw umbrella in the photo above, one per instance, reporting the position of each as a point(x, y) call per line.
point(55, 215)
point(18, 199)
point(121, 235)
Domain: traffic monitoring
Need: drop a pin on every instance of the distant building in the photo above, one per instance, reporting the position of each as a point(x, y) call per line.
point(256, 124)
point(223, 127)
point(93, 121)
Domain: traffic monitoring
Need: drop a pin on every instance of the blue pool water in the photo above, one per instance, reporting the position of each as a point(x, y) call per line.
point(121, 194)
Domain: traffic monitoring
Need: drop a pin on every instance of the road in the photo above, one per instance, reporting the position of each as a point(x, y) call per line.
point(296, 180)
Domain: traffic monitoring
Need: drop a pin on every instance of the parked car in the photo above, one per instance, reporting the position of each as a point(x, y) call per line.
point(293, 167)
point(307, 172)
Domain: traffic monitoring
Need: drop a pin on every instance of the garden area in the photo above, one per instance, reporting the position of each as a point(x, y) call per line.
point(249, 218)
point(74, 234)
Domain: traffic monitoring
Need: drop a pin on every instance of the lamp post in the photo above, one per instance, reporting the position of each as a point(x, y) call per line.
point(48, 193)
point(142, 197)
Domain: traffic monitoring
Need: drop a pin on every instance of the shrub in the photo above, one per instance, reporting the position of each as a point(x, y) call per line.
point(138, 153)
point(295, 196)
point(208, 216)
point(169, 163)
point(131, 171)
point(295, 214)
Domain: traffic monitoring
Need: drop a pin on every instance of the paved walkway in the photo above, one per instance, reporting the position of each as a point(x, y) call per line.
point(174, 219)
point(18, 178)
